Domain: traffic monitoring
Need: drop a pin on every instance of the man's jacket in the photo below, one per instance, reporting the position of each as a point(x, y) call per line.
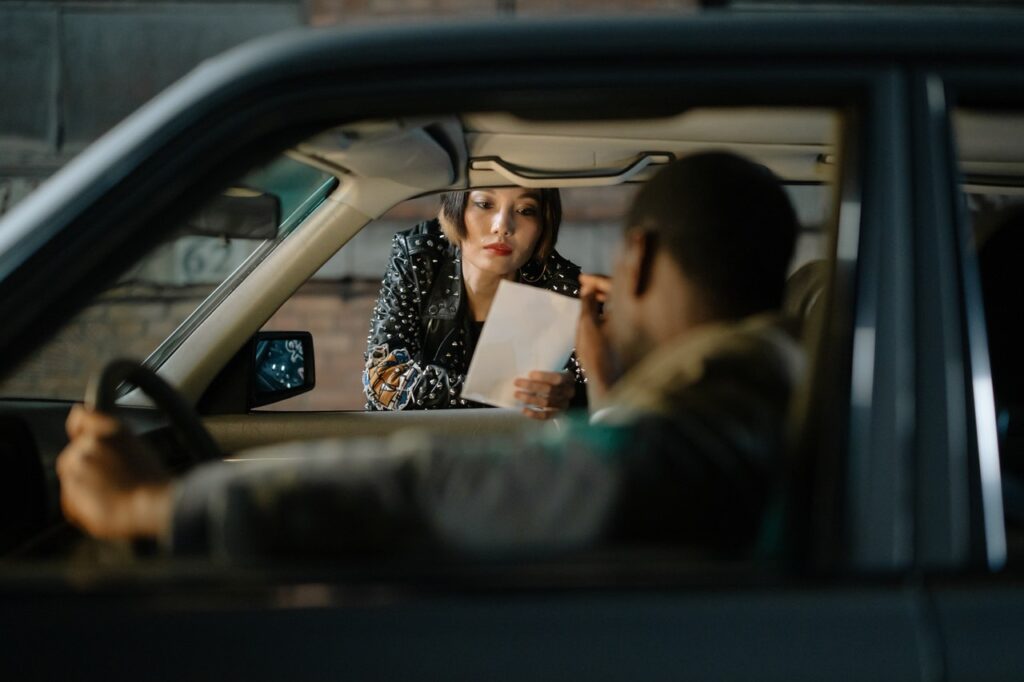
point(688, 454)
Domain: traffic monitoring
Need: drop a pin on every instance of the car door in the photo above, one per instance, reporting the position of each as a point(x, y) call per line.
point(842, 602)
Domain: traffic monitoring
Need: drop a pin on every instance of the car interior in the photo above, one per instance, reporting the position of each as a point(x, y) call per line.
point(197, 307)
point(331, 188)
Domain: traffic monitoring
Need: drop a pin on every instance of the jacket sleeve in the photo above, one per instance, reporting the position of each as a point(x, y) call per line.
point(394, 376)
point(406, 493)
point(579, 400)
point(700, 476)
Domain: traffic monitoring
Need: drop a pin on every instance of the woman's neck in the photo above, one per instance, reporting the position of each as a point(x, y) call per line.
point(480, 289)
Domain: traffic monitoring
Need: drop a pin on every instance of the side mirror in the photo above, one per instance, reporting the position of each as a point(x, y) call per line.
point(281, 367)
point(270, 367)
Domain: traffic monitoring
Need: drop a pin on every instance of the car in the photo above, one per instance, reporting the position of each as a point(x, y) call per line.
point(887, 553)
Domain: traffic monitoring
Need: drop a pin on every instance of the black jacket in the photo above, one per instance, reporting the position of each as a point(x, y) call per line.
point(421, 333)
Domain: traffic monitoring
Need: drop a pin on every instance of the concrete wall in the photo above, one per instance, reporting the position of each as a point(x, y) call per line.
point(70, 70)
point(323, 12)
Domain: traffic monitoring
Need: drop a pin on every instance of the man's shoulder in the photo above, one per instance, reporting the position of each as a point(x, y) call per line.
point(754, 361)
point(762, 355)
point(767, 339)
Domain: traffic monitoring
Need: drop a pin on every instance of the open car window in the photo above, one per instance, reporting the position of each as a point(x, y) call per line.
point(336, 303)
point(319, 273)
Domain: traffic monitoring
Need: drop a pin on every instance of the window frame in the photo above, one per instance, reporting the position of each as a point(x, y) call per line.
point(289, 224)
point(978, 526)
point(863, 446)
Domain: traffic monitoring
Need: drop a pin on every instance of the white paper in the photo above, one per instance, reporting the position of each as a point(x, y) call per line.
point(527, 328)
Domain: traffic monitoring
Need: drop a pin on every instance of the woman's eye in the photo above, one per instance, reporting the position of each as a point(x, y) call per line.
point(482, 204)
point(528, 210)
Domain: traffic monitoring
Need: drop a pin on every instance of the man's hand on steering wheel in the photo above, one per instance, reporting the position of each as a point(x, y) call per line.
point(111, 485)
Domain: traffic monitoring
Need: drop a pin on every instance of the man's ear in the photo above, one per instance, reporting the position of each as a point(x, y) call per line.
point(639, 260)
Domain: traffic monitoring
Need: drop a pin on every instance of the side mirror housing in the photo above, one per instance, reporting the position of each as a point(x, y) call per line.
point(282, 367)
point(269, 368)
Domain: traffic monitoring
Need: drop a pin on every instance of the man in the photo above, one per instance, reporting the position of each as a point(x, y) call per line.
point(691, 367)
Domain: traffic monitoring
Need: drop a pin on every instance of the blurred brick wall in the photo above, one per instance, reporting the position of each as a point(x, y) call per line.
point(338, 316)
point(122, 326)
point(132, 322)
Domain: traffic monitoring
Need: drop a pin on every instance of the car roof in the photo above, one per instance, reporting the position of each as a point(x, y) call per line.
point(380, 62)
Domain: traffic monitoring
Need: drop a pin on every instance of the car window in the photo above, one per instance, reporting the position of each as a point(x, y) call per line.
point(192, 277)
point(153, 306)
point(336, 304)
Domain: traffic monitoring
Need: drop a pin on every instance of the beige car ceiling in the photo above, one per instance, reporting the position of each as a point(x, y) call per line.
point(478, 150)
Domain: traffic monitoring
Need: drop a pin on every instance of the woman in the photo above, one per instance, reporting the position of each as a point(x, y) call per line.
point(438, 289)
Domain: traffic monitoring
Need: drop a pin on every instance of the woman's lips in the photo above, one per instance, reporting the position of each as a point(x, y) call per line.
point(499, 249)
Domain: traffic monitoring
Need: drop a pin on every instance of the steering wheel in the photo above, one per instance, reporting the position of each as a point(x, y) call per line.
point(101, 395)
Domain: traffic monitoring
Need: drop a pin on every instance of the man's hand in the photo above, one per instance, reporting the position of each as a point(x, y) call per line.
point(110, 485)
point(593, 349)
point(545, 393)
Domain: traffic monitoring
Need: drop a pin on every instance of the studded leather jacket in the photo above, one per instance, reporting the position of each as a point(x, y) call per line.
point(421, 333)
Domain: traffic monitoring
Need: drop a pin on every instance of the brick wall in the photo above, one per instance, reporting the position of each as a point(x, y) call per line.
point(336, 313)
point(338, 316)
point(123, 325)
point(335, 307)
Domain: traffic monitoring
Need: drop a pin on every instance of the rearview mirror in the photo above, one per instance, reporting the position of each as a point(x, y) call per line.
point(238, 213)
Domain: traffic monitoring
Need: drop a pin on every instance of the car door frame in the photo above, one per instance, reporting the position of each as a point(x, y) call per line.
point(976, 599)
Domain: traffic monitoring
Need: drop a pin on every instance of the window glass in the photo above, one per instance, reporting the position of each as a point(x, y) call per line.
point(153, 306)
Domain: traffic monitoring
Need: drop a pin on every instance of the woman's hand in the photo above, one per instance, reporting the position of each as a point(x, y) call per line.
point(545, 393)
point(111, 486)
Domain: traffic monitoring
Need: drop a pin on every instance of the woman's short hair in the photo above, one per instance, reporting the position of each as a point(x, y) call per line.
point(453, 222)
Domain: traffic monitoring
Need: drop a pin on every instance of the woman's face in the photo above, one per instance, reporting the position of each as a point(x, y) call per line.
point(502, 229)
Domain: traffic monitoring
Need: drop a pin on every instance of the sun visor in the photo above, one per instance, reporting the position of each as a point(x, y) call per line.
point(410, 157)
point(426, 155)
